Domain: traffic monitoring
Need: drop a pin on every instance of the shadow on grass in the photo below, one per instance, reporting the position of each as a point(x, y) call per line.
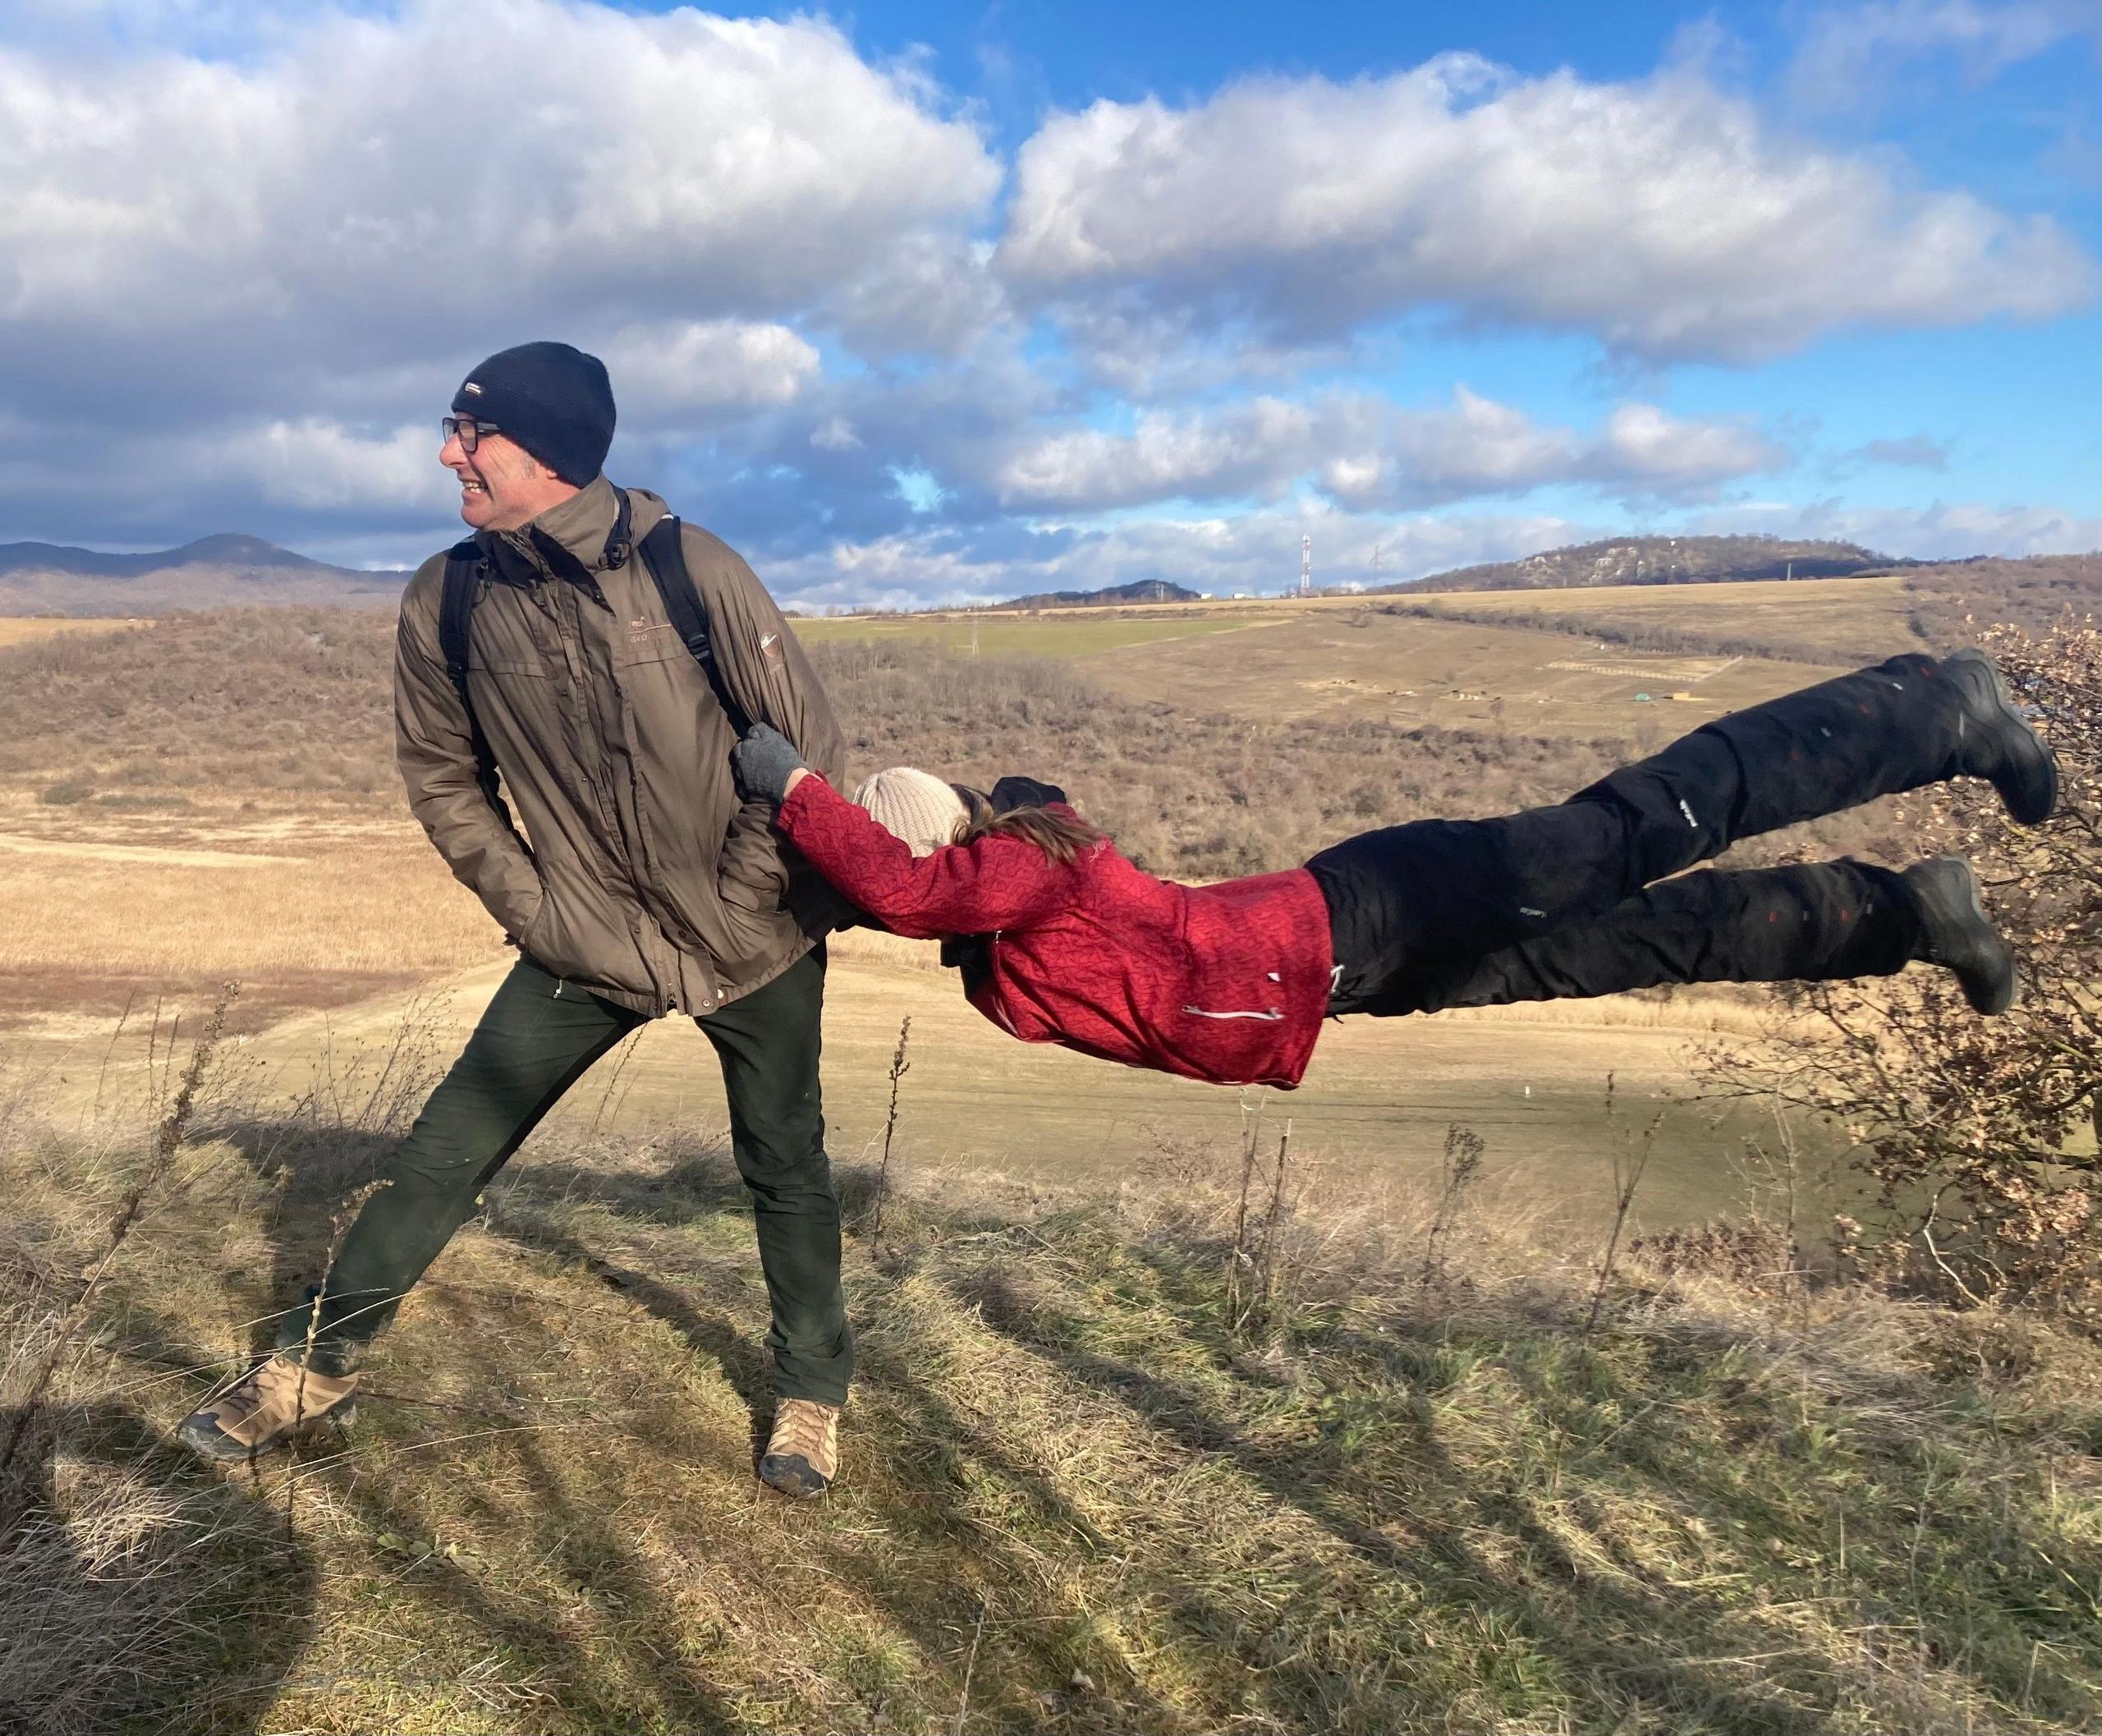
point(655, 1559)
point(139, 1590)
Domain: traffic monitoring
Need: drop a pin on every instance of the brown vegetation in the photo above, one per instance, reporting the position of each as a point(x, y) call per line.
point(1691, 637)
point(1954, 602)
point(1977, 1134)
point(1086, 1486)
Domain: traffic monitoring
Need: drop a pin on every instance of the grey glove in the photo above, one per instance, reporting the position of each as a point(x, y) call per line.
point(763, 762)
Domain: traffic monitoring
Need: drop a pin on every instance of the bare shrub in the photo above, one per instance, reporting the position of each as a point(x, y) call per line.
point(1749, 1254)
point(1972, 1131)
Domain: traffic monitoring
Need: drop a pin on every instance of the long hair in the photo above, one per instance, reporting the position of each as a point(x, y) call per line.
point(1064, 838)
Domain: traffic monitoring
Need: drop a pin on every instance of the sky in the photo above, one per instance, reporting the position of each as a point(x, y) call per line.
point(916, 303)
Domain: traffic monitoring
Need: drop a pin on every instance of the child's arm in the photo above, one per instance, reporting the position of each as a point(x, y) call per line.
point(977, 888)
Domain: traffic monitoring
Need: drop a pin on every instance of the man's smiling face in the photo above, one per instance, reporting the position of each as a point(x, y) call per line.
point(501, 485)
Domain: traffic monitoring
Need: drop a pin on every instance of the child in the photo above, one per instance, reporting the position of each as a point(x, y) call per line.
point(1230, 982)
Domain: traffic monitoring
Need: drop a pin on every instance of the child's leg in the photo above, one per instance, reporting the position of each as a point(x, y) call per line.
point(1815, 923)
point(1461, 889)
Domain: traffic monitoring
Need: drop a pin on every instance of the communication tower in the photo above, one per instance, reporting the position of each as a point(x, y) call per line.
point(1306, 566)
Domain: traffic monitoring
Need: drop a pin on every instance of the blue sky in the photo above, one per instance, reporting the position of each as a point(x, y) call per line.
point(915, 302)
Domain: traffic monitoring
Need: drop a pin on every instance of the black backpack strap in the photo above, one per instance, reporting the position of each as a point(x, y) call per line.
point(666, 562)
point(465, 564)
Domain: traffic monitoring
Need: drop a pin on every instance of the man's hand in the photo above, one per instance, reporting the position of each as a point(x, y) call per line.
point(764, 763)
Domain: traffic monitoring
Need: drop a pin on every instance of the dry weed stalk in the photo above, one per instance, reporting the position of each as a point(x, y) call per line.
point(899, 1067)
point(613, 1083)
point(1273, 1223)
point(339, 1226)
point(1458, 1169)
point(1266, 1262)
point(1238, 1259)
point(1629, 1161)
point(970, 1668)
point(167, 1141)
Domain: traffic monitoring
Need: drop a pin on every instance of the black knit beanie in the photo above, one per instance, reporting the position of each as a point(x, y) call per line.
point(552, 399)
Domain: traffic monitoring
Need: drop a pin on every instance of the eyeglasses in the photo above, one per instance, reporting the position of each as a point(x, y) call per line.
point(466, 430)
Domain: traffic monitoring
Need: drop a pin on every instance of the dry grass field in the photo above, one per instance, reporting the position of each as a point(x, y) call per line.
point(1854, 616)
point(212, 800)
point(1334, 665)
point(23, 629)
point(1076, 632)
point(1380, 1451)
point(1419, 1472)
point(303, 906)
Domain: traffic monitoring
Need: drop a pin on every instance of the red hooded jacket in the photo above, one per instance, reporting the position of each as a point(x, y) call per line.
point(1225, 983)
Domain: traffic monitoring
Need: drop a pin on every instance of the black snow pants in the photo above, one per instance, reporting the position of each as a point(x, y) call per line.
point(1558, 903)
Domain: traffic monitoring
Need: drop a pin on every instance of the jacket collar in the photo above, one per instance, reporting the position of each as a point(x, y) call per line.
point(580, 529)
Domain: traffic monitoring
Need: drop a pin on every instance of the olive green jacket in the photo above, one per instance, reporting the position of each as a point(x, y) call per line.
point(640, 876)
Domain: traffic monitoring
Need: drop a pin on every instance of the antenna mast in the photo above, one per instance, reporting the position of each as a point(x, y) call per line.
point(1306, 566)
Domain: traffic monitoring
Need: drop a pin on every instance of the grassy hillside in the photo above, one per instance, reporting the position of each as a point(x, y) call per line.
point(1954, 599)
point(1663, 560)
point(1089, 1484)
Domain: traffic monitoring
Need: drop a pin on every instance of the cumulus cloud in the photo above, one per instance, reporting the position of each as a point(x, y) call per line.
point(332, 197)
point(1660, 216)
point(1254, 447)
point(1368, 453)
point(246, 252)
point(683, 374)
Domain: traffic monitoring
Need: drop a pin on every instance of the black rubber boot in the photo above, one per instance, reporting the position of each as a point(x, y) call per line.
point(1998, 743)
point(1959, 935)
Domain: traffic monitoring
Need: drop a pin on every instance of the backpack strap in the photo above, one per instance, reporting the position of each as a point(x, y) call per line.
point(465, 566)
point(666, 562)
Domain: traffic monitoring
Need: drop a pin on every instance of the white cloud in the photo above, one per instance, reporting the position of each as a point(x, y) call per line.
point(319, 465)
point(682, 374)
point(1660, 216)
point(835, 434)
point(1943, 531)
point(1849, 53)
point(1368, 453)
point(342, 193)
point(1257, 446)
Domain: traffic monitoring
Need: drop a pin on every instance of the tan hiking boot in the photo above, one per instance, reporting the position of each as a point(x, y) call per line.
point(277, 1400)
point(803, 1456)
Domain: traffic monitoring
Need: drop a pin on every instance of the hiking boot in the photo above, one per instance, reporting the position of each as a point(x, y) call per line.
point(1959, 935)
point(1997, 742)
point(803, 1456)
point(277, 1400)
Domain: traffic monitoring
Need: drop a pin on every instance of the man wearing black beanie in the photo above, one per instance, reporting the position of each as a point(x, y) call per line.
point(640, 885)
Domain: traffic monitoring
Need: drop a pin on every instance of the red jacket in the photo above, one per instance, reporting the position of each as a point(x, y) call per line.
point(1225, 983)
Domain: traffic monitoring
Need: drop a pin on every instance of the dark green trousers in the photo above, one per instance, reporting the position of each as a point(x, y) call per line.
point(537, 1039)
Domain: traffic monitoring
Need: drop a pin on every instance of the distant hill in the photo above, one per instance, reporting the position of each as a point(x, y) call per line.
point(1139, 590)
point(50, 578)
point(1662, 560)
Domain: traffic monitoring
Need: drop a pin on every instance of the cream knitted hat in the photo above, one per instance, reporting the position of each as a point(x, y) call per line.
point(914, 806)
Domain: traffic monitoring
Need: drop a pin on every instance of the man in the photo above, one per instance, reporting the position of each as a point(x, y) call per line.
point(641, 887)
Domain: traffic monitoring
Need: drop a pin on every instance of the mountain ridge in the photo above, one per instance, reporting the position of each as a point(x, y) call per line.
point(226, 566)
point(1661, 560)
